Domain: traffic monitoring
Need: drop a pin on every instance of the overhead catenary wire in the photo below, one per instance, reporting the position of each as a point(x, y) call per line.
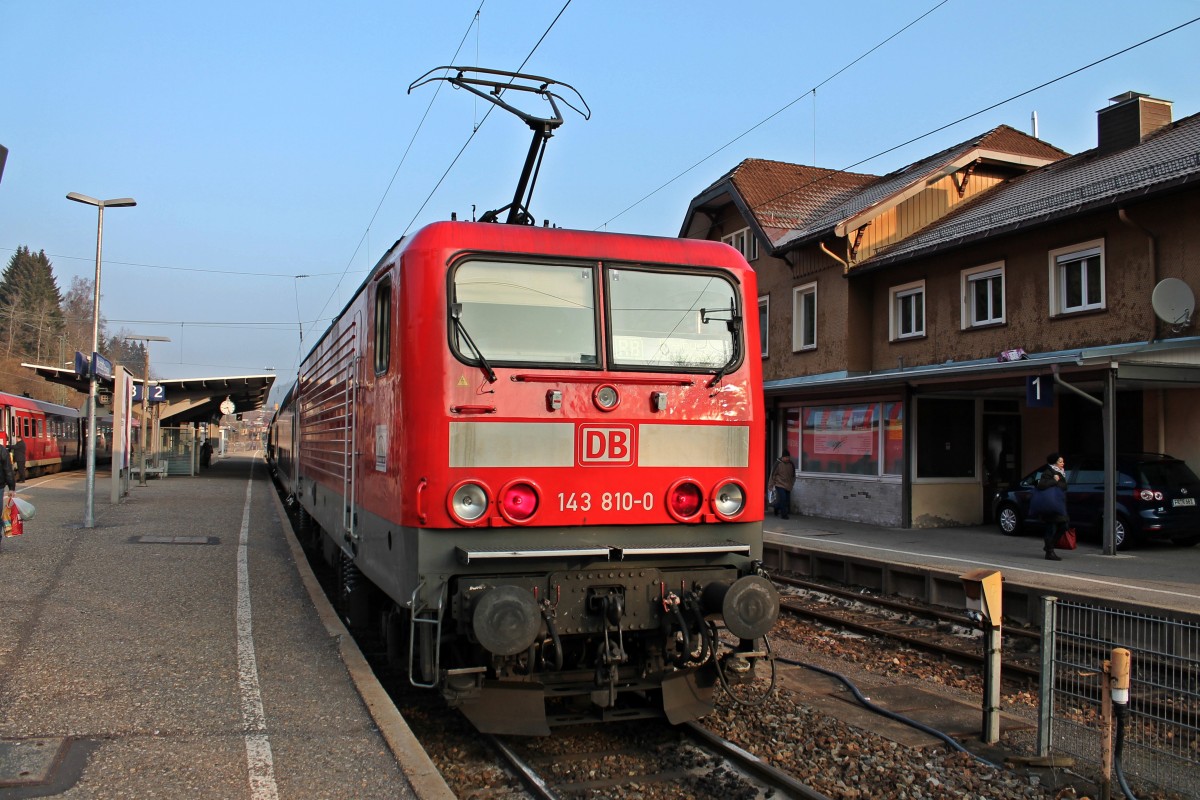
point(241, 273)
point(914, 139)
point(776, 113)
point(470, 138)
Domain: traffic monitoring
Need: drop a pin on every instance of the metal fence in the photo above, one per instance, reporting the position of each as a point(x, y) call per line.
point(1162, 737)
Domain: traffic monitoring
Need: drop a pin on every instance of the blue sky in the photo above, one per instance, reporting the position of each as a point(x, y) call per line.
point(260, 138)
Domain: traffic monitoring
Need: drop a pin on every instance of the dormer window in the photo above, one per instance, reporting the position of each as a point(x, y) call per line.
point(744, 242)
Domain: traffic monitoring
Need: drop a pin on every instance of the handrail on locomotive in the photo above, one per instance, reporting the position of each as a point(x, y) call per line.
point(471, 78)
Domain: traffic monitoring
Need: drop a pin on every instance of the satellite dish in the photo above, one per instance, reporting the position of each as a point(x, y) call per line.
point(1173, 302)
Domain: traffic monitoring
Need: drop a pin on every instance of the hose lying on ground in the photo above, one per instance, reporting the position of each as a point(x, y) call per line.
point(890, 714)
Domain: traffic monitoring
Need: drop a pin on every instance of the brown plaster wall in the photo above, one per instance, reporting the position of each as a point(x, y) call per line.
point(1128, 278)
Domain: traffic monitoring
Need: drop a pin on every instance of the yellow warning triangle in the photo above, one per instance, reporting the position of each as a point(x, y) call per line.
point(462, 380)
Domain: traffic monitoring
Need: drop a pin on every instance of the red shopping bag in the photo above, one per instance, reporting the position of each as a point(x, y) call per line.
point(1067, 540)
point(13, 526)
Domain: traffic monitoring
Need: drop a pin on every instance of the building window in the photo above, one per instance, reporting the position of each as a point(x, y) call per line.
point(764, 319)
point(854, 439)
point(908, 311)
point(1077, 278)
point(744, 242)
point(983, 295)
point(804, 317)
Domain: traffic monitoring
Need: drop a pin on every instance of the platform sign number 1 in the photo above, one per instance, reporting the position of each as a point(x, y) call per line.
point(1039, 391)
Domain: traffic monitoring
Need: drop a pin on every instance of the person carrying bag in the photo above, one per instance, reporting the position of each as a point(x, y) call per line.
point(1049, 503)
point(783, 478)
point(8, 485)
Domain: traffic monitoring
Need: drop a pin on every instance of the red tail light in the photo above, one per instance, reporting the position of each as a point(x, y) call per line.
point(684, 500)
point(518, 501)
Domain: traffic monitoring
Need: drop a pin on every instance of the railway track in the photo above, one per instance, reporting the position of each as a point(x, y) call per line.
point(922, 627)
point(651, 760)
point(687, 758)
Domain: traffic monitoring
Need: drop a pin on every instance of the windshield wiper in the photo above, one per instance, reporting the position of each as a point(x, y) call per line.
point(456, 315)
point(732, 323)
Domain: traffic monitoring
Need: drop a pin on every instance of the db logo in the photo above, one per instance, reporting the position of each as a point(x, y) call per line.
point(606, 444)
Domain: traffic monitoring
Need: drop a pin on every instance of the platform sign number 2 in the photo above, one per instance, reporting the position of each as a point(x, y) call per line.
point(1039, 391)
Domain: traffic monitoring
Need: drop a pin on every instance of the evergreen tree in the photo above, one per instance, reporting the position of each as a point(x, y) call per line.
point(31, 317)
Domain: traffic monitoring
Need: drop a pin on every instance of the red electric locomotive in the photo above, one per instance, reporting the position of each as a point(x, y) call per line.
point(544, 451)
point(537, 457)
point(50, 431)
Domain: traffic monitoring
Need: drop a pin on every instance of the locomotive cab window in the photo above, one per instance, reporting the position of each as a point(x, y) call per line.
point(525, 313)
point(672, 321)
point(383, 325)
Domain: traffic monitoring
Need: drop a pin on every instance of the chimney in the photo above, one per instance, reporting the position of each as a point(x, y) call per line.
point(1129, 119)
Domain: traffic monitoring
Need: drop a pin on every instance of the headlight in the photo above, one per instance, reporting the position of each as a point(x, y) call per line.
point(606, 397)
point(729, 499)
point(468, 502)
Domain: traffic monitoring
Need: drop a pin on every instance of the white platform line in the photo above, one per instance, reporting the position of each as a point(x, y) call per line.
point(791, 538)
point(258, 746)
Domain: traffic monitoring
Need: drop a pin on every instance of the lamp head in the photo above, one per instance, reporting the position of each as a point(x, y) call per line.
point(983, 590)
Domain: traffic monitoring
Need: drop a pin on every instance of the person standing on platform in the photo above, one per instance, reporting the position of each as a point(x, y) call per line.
point(783, 478)
point(206, 453)
point(19, 457)
point(7, 482)
point(1050, 503)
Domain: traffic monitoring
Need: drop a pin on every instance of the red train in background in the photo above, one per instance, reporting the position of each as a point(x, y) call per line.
point(51, 433)
point(537, 458)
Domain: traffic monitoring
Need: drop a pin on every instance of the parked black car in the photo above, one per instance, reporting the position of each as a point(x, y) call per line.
point(1157, 498)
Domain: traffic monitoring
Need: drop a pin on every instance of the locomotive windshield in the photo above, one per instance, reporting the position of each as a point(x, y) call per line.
point(657, 319)
point(546, 314)
point(530, 313)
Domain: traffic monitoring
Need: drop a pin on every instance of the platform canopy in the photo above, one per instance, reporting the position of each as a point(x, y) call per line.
point(185, 400)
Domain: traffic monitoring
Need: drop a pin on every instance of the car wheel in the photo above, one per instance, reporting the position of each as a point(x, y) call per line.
point(1009, 520)
point(1121, 534)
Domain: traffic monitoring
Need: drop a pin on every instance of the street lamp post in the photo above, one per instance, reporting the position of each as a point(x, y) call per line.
point(89, 513)
point(145, 397)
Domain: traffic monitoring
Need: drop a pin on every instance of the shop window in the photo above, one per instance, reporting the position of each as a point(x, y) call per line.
point(851, 439)
point(946, 438)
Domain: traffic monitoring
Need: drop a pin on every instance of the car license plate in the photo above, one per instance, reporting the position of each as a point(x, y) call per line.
point(1183, 501)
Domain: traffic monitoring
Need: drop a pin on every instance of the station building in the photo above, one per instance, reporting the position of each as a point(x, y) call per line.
point(928, 336)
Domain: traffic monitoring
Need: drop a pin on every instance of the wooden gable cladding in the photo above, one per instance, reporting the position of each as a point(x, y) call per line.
point(932, 202)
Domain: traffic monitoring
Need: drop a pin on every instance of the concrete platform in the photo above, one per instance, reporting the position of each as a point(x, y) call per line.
point(925, 564)
point(174, 650)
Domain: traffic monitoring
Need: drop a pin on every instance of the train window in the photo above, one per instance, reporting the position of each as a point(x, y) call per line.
point(527, 313)
point(657, 319)
point(383, 325)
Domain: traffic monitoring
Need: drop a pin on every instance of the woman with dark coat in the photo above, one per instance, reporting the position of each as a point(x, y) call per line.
point(1050, 503)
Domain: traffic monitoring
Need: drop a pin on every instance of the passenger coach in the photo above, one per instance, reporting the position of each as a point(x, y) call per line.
point(50, 431)
point(543, 449)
